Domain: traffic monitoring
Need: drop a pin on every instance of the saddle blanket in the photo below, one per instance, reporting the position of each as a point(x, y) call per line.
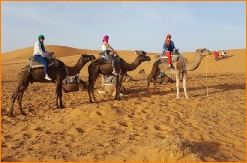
point(163, 59)
point(110, 80)
point(35, 64)
point(72, 80)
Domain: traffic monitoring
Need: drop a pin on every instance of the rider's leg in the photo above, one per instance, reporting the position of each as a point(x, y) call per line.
point(168, 54)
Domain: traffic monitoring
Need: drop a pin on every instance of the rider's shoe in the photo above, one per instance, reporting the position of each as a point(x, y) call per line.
point(114, 73)
point(48, 78)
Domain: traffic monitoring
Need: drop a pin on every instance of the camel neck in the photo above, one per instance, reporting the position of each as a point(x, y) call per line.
point(76, 68)
point(134, 65)
point(191, 66)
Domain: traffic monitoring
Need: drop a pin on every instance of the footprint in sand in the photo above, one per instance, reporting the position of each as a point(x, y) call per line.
point(162, 127)
point(97, 114)
point(38, 129)
point(7, 137)
point(27, 135)
point(123, 124)
point(80, 130)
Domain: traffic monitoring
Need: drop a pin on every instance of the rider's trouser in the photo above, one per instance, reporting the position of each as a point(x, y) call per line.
point(168, 54)
point(108, 55)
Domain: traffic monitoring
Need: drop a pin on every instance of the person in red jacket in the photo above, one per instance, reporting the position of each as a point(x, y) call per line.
point(216, 55)
point(168, 47)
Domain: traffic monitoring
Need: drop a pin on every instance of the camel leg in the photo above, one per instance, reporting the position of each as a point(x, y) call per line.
point(184, 76)
point(151, 75)
point(19, 91)
point(89, 90)
point(148, 82)
point(13, 98)
point(177, 83)
point(149, 79)
point(19, 97)
point(92, 79)
point(155, 79)
point(59, 95)
point(118, 85)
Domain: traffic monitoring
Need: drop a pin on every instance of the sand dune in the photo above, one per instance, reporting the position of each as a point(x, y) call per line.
point(209, 126)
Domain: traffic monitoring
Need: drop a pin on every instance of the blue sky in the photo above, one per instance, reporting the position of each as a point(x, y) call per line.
point(130, 25)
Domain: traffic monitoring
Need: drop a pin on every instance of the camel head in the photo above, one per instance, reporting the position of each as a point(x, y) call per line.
point(142, 55)
point(88, 57)
point(203, 52)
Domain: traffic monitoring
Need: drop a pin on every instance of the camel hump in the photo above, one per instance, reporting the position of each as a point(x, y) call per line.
point(35, 64)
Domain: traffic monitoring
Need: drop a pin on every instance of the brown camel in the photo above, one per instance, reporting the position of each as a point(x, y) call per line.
point(73, 84)
point(27, 75)
point(179, 66)
point(163, 79)
point(96, 68)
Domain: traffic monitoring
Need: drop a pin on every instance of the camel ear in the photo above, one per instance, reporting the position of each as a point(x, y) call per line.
point(144, 53)
point(84, 55)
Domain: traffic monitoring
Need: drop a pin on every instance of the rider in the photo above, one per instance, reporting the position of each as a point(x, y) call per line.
point(223, 53)
point(216, 55)
point(106, 49)
point(41, 55)
point(168, 47)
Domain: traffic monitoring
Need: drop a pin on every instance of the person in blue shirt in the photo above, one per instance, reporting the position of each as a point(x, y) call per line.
point(168, 47)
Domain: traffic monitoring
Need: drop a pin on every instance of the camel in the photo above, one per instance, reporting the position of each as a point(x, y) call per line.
point(27, 75)
point(181, 66)
point(97, 67)
point(73, 84)
point(110, 87)
point(163, 79)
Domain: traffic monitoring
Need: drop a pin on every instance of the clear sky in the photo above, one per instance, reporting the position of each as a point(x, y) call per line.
point(130, 25)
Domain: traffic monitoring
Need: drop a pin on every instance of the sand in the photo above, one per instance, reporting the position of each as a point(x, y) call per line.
point(209, 126)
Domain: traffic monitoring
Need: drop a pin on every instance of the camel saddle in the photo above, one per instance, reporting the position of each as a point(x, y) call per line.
point(72, 80)
point(53, 62)
point(73, 84)
point(104, 59)
point(163, 59)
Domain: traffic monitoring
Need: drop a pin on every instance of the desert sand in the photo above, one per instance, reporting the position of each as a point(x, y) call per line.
point(209, 126)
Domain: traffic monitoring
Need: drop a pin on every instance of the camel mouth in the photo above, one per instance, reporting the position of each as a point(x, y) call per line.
point(148, 58)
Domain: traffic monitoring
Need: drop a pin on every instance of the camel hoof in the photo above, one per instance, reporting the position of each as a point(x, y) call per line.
point(61, 107)
point(11, 115)
point(118, 98)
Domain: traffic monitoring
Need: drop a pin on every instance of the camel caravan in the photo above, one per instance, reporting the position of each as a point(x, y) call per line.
point(60, 74)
